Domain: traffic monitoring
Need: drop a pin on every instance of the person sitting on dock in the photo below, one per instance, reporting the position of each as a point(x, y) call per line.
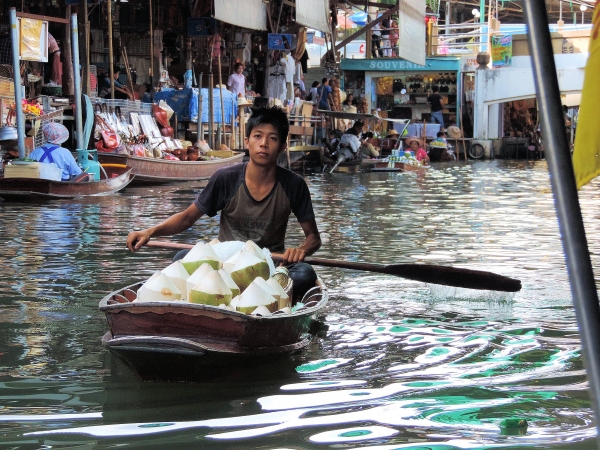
point(55, 134)
point(255, 200)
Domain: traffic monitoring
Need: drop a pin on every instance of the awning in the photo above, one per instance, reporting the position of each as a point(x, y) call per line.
point(347, 115)
point(313, 14)
point(251, 14)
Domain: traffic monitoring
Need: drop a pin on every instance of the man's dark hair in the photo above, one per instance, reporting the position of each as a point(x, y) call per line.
point(315, 83)
point(237, 65)
point(440, 134)
point(435, 88)
point(273, 116)
point(325, 80)
point(116, 68)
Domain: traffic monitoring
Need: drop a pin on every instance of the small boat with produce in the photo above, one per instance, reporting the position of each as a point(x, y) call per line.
point(23, 187)
point(159, 171)
point(217, 311)
point(172, 340)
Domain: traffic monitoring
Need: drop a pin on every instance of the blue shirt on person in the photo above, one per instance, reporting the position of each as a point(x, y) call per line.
point(63, 158)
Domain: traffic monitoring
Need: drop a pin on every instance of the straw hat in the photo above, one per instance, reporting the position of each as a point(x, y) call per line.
point(241, 101)
point(392, 133)
point(453, 132)
point(351, 109)
point(408, 140)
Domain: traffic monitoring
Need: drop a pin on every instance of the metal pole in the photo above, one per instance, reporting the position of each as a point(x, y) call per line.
point(77, 79)
point(562, 178)
point(110, 50)
point(14, 35)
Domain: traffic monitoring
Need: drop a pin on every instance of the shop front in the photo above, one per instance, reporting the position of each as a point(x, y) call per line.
point(398, 89)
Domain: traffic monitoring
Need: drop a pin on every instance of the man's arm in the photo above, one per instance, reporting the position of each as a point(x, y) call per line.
point(311, 244)
point(173, 225)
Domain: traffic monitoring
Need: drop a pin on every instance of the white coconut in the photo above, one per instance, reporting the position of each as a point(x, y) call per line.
point(158, 288)
point(230, 262)
point(214, 242)
point(247, 268)
point(253, 297)
point(261, 311)
point(197, 277)
point(268, 288)
point(226, 250)
point(235, 290)
point(178, 275)
point(199, 254)
point(234, 302)
point(251, 247)
point(212, 290)
point(285, 310)
point(284, 299)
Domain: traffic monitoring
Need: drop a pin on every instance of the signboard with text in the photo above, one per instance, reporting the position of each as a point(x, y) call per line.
point(281, 41)
point(202, 26)
point(501, 51)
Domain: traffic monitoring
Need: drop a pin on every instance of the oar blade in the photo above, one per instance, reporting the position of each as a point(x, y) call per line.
point(454, 276)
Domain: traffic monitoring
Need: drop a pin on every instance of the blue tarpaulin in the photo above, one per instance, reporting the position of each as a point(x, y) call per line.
point(185, 104)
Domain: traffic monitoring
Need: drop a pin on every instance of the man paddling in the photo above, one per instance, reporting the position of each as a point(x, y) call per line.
point(255, 198)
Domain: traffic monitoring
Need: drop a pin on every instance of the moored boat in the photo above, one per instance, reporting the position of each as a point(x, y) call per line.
point(159, 171)
point(113, 178)
point(173, 339)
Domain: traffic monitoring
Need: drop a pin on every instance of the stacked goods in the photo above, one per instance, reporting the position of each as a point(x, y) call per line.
point(335, 97)
point(362, 106)
point(235, 276)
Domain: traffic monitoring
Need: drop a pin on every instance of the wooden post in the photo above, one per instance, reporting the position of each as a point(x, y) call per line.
point(151, 70)
point(66, 57)
point(222, 137)
point(199, 130)
point(211, 111)
point(110, 50)
point(85, 25)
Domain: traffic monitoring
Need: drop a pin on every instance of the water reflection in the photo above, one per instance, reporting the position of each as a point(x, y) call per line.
point(402, 366)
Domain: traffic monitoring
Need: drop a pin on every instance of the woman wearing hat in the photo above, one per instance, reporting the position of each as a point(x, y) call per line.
point(416, 146)
point(55, 134)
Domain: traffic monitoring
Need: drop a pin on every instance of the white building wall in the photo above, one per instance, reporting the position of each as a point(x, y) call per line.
point(495, 86)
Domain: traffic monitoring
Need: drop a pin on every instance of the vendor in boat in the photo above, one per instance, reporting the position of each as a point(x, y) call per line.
point(255, 200)
point(55, 134)
point(416, 146)
point(357, 142)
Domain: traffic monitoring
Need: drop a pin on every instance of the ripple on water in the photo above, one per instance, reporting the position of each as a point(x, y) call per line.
point(403, 365)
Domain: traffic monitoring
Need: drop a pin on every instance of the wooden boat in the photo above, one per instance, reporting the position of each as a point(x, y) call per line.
point(172, 340)
point(384, 166)
point(159, 171)
point(113, 179)
point(441, 154)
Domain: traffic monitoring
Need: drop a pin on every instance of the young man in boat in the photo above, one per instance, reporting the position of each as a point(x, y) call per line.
point(255, 200)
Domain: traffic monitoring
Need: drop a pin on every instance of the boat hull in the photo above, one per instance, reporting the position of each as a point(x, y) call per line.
point(35, 189)
point(160, 171)
point(144, 332)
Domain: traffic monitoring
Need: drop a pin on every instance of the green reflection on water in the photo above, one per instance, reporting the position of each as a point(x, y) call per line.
point(355, 433)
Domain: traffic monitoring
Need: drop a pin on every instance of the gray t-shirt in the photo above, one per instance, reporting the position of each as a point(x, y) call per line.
point(243, 218)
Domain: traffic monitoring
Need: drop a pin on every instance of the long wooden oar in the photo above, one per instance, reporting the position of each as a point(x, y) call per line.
point(444, 275)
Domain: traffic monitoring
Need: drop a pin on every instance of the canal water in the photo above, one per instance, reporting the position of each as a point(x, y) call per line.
point(403, 365)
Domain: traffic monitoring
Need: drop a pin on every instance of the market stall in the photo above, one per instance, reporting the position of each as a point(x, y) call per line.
point(398, 89)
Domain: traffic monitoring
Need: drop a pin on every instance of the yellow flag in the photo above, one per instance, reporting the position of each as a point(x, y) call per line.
point(586, 155)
